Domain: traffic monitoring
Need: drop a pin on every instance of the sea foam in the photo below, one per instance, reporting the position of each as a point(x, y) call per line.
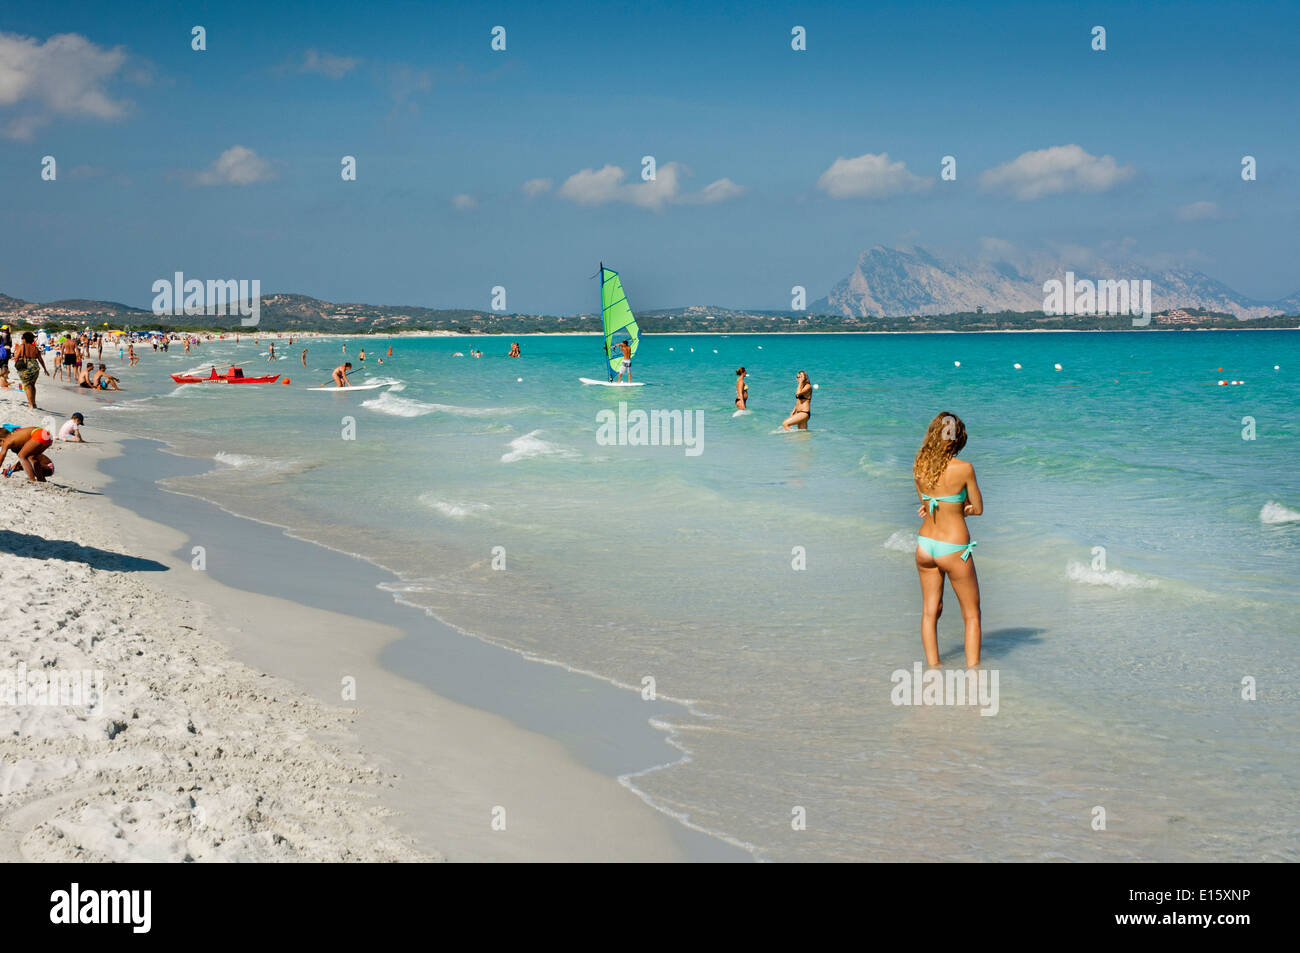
point(475, 411)
point(265, 465)
point(1277, 513)
point(455, 510)
point(530, 445)
point(1114, 578)
point(901, 541)
point(389, 403)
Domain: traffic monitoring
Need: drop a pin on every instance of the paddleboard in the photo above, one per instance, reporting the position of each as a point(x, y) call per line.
point(588, 380)
point(353, 387)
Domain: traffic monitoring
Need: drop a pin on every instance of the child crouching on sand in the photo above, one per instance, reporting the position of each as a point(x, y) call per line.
point(30, 444)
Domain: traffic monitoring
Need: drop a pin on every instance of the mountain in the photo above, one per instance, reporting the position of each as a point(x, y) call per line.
point(892, 282)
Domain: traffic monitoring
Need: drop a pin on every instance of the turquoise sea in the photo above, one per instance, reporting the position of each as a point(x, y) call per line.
point(1137, 559)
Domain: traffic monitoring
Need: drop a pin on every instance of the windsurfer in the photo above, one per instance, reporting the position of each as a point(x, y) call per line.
point(627, 361)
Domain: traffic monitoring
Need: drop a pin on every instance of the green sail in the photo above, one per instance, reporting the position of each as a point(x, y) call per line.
point(617, 315)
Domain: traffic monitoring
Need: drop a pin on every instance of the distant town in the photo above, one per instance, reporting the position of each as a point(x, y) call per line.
point(289, 312)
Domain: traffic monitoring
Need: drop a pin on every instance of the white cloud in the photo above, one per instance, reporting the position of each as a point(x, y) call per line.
point(327, 64)
point(590, 187)
point(1200, 212)
point(238, 165)
point(463, 202)
point(870, 177)
point(1033, 175)
point(605, 185)
point(535, 187)
point(64, 76)
point(720, 191)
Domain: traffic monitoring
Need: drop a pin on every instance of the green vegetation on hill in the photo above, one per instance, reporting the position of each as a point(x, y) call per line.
point(286, 312)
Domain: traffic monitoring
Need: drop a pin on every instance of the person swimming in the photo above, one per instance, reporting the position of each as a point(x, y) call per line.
point(742, 389)
point(948, 493)
point(802, 412)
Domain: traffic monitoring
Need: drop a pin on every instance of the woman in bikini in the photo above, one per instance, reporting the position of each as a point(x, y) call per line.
point(29, 363)
point(742, 389)
point(949, 494)
point(802, 412)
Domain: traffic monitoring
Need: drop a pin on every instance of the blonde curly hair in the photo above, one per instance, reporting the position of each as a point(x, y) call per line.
point(944, 439)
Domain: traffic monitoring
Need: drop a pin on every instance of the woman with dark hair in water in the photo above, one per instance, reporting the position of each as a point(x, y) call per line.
point(949, 494)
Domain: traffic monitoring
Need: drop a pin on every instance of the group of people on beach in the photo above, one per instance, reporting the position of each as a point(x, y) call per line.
point(71, 359)
point(945, 484)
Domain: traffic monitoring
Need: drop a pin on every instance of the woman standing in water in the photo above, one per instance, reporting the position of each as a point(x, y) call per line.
point(949, 494)
point(802, 412)
point(742, 390)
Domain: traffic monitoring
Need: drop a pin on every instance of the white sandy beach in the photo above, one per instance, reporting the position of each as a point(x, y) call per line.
point(221, 734)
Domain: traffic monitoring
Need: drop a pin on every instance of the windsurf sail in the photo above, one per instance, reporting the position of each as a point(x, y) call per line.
point(619, 321)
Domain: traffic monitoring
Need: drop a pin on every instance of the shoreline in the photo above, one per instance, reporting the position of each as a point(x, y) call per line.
point(376, 335)
point(433, 804)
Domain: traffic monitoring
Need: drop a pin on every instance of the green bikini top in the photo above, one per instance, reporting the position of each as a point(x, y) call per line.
point(936, 500)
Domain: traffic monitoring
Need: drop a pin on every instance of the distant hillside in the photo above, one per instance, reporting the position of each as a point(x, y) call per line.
point(890, 282)
point(889, 291)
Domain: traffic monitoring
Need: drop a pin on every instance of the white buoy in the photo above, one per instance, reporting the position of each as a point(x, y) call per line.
point(715, 350)
point(815, 386)
point(956, 363)
point(1016, 366)
point(760, 347)
point(1057, 366)
point(670, 349)
point(519, 380)
point(1276, 368)
point(692, 350)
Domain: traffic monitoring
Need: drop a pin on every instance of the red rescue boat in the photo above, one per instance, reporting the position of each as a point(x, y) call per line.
point(233, 376)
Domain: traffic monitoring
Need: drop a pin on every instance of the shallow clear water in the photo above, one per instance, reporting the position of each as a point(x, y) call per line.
point(1120, 687)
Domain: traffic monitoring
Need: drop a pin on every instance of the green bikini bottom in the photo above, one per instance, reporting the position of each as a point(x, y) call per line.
point(934, 548)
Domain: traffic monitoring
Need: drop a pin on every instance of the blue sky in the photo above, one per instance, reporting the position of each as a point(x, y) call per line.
point(225, 163)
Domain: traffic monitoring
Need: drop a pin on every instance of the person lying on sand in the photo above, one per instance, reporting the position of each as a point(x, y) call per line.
point(341, 374)
point(30, 444)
